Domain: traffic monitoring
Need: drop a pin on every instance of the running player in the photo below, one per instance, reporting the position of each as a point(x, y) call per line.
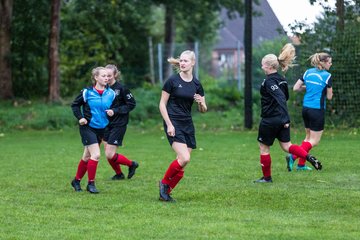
point(275, 120)
point(317, 84)
point(177, 97)
point(115, 131)
point(90, 108)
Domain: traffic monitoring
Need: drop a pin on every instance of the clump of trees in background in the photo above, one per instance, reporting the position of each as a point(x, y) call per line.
point(47, 48)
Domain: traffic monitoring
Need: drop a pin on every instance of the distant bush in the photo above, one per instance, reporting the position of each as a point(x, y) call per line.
point(225, 104)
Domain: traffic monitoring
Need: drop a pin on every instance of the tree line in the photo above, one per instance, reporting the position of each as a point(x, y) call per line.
point(48, 47)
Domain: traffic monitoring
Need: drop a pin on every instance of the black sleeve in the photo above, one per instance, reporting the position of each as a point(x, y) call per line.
point(275, 91)
point(129, 101)
point(76, 105)
point(200, 90)
point(329, 83)
point(168, 85)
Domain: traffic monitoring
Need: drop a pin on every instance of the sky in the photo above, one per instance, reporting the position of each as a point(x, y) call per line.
point(287, 11)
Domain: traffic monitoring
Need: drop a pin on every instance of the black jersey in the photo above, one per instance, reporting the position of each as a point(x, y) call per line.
point(124, 103)
point(274, 94)
point(181, 96)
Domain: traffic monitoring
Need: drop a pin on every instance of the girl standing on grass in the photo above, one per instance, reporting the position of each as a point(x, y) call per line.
point(115, 131)
point(91, 107)
point(317, 84)
point(275, 120)
point(177, 97)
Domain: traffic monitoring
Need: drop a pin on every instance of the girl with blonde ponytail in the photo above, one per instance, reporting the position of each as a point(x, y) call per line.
point(179, 93)
point(275, 119)
point(317, 84)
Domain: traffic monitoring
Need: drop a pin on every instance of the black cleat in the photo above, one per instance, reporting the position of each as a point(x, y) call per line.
point(132, 169)
point(316, 163)
point(76, 185)
point(118, 177)
point(264, 180)
point(164, 196)
point(91, 188)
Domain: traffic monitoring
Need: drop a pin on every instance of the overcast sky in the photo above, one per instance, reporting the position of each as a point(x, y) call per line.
point(287, 11)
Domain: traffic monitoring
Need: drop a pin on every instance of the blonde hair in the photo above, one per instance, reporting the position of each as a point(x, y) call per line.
point(284, 60)
point(95, 72)
point(318, 59)
point(176, 61)
point(116, 71)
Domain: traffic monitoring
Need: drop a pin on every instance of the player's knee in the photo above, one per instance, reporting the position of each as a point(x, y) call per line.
point(109, 154)
point(184, 159)
point(95, 156)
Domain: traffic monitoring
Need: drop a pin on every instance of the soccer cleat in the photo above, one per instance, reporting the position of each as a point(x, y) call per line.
point(132, 169)
point(289, 162)
point(91, 188)
point(164, 196)
point(316, 163)
point(76, 185)
point(118, 177)
point(264, 180)
point(303, 168)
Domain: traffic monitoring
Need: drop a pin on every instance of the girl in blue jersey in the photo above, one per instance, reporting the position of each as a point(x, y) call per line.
point(178, 95)
point(317, 84)
point(275, 120)
point(91, 108)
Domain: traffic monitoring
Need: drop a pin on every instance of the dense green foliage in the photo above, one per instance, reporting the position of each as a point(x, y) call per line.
point(97, 33)
point(344, 46)
point(29, 46)
point(215, 200)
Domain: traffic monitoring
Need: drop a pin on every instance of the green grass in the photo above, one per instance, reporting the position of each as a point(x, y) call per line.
point(216, 199)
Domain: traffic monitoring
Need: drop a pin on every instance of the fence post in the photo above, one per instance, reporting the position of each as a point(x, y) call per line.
point(238, 66)
point(151, 56)
point(196, 49)
point(159, 47)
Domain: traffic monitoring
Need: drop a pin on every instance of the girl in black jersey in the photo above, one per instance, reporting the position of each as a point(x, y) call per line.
point(275, 122)
point(178, 94)
point(114, 133)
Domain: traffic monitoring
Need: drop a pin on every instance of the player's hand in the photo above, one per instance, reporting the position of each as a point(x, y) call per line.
point(198, 98)
point(83, 121)
point(109, 112)
point(171, 131)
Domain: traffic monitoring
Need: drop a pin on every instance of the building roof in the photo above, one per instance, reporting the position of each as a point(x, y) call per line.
point(265, 27)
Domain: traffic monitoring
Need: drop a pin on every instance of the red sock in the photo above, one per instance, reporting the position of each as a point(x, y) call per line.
point(121, 159)
point(173, 169)
point(81, 170)
point(175, 180)
point(115, 165)
point(265, 161)
point(298, 151)
point(307, 147)
point(92, 166)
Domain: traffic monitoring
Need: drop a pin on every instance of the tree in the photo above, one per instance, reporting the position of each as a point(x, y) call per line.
point(54, 74)
point(6, 90)
point(29, 48)
point(95, 33)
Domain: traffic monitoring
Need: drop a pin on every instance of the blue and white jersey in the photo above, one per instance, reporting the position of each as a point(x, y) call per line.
point(316, 82)
point(92, 105)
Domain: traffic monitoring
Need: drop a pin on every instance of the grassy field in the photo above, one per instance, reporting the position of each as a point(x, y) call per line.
point(217, 198)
